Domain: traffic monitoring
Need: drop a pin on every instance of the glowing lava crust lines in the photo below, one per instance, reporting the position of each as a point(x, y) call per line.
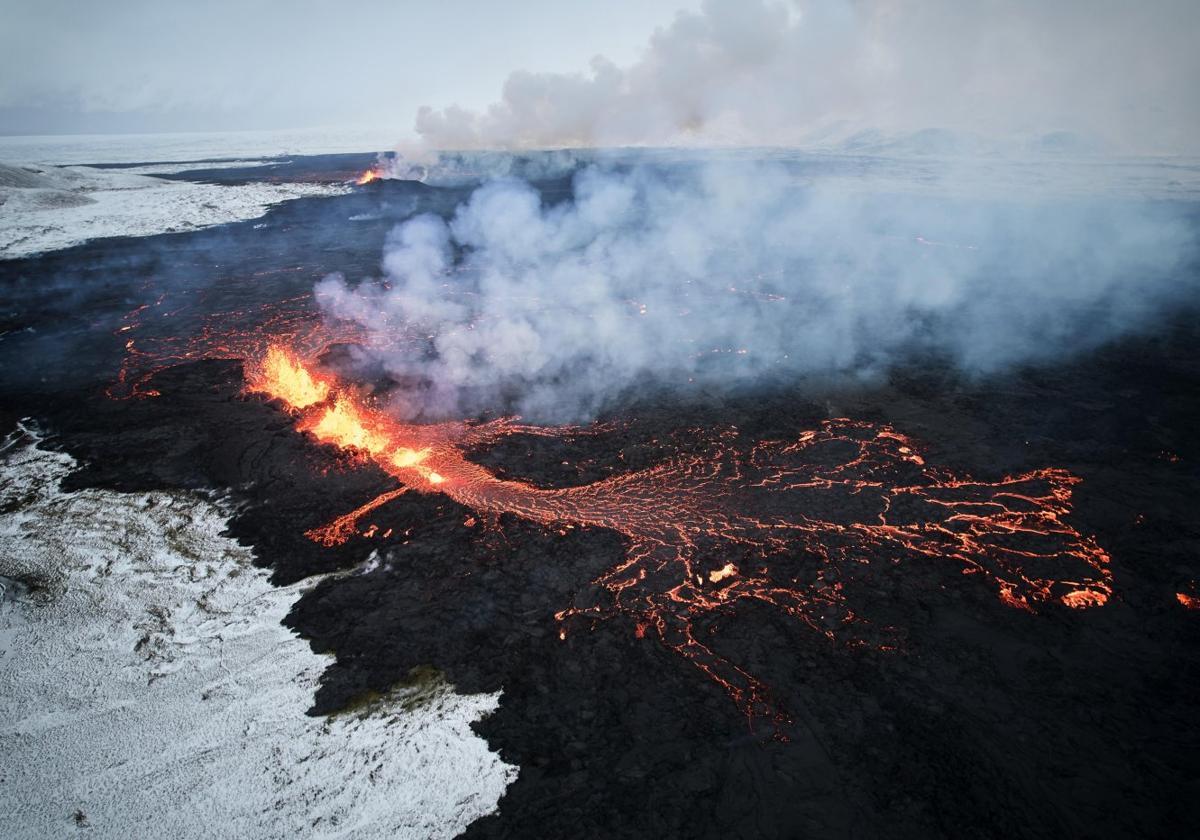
point(786, 521)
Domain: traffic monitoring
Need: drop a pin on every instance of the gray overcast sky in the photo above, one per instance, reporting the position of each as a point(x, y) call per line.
point(167, 65)
point(1117, 74)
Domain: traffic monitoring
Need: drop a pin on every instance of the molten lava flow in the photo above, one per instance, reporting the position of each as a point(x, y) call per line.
point(405, 457)
point(367, 177)
point(804, 517)
point(344, 527)
point(1191, 598)
point(185, 325)
point(280, 373)
point(344, 424)
point(718, 575)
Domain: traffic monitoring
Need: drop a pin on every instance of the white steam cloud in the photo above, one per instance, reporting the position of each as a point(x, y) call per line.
point(717, 268)
point(729, 270)
point(1119, 74)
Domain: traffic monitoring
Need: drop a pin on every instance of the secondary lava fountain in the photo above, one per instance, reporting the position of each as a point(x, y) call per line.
point(368, 176)
point(786, 523)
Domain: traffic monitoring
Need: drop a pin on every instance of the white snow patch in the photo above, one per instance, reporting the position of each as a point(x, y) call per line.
point(150, 688)
point(45, 208)
point(192, 146)
point(193, 166)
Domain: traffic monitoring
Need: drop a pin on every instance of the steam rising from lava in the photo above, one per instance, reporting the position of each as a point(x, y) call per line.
point(766, 73)
point(694, 275)
point(713, 274)
point(803, 518)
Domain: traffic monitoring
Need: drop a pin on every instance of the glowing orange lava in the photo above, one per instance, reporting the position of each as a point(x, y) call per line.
point(368, 176)
point(291, 326)
point(802, 515)
point(718, 575)
point(344, 424)
point(280, 373)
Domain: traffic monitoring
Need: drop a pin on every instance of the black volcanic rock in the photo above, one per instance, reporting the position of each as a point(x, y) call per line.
point(985, 722)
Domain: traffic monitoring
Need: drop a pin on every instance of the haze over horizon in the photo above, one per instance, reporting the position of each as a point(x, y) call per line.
point(135, 66)
point(1105, 75)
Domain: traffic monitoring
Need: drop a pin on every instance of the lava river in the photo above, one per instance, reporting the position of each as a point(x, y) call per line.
point(785, 518)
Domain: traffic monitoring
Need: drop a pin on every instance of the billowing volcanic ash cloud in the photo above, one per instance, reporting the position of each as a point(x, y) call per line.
point(710, 269)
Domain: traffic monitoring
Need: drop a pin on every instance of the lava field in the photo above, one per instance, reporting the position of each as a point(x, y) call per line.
point(927, 604)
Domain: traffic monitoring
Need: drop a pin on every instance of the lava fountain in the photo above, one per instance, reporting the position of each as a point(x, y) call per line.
point(368, 176)
point(786, 521)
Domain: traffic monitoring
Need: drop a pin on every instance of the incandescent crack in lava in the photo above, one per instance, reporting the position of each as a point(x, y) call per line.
point(798, 514)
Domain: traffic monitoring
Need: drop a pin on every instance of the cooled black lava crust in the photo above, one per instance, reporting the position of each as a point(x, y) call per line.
point(988, 723)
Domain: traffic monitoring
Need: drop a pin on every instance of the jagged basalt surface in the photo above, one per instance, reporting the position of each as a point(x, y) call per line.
point(986, 721)
point(986, 716)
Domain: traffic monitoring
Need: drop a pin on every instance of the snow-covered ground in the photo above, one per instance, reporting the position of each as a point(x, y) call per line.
point(145, 148)
point(149, 689)
point(192, 166)
point(45, 208)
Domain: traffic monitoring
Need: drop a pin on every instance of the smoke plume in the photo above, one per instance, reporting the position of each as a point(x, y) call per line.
point(965, 216)
point(754, 72)
point(720, 270)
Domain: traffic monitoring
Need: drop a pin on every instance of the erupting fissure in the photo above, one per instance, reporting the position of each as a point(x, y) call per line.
point(367, 176)
point(802, 518)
